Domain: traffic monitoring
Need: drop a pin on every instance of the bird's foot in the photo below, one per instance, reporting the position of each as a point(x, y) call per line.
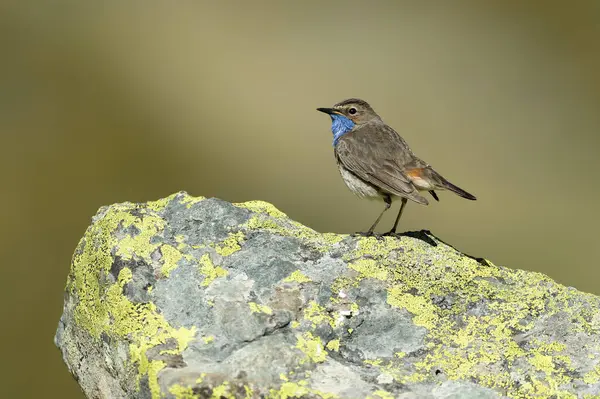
point(391, 233)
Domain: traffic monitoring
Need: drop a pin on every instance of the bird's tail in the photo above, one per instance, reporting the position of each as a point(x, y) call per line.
point(455, 189)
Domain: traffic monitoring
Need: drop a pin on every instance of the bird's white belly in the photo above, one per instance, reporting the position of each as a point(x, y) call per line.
point(357, 186)
point(422, 184)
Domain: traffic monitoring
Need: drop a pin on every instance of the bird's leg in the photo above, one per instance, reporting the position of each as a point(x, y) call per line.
point(388, 202)
point(393, 230)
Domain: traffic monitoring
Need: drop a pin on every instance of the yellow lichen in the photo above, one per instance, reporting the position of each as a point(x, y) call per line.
point(422, 309)
point(373, 362)
point(231, 244)
point(297, 390)
point(189, 201)
point(297, 277)
point(334, 345)
point(139, 244)
point(222, 391)
point(268, 217)
point(208, 339)
point(262, 207)
point(462, 344)
point(317, 314)
point(382, 394)
point(170, 258)
point(593, 376)
point(415, 273)
point(257, 308)
point(210, 271)
point(180, 239)
point(160, 204)
point(312, 347)
point(103, 309)
point(181, 392)
point(369, 268)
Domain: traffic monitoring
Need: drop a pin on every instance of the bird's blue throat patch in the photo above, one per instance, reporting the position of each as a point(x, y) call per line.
point(340, 125)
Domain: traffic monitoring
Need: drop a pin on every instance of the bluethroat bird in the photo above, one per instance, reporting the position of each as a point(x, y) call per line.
point(376, 162)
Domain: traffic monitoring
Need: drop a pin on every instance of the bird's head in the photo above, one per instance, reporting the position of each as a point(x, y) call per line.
point(347, 114)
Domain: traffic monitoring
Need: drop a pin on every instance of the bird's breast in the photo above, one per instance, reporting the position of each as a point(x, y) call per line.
point(357, 185)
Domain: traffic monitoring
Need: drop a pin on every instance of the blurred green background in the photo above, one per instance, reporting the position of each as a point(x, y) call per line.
point(106, 102)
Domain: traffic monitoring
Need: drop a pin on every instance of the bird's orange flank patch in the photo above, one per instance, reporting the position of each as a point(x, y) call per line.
point(415, 173)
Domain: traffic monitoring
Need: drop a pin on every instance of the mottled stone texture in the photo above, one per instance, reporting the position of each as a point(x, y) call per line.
point(190, 297)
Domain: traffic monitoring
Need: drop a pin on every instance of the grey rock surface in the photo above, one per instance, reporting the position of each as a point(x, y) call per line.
point(195, 298)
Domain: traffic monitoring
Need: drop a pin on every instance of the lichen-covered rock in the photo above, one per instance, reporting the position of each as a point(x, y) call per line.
point(191, 297)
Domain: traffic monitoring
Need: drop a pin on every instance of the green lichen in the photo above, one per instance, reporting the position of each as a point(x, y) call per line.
point(124, 229)
point(208, 339)
point(297, 277)
point(231, 244)
point(257, 308)
point(210, 271)
point(312, 347)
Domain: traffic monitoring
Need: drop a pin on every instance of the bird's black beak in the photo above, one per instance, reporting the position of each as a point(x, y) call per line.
point(328, 110)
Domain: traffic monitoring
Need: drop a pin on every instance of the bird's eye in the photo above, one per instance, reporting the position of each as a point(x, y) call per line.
point(352, 111)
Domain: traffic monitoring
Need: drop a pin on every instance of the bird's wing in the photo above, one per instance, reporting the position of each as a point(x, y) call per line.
point(376, 153)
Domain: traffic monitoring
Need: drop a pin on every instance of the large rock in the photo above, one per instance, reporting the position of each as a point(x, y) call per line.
point(191, 297)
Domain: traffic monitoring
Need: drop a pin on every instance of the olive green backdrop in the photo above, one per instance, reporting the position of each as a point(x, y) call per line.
point(103, 103)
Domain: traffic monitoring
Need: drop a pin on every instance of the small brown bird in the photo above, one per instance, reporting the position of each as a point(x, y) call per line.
point(376, 162)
